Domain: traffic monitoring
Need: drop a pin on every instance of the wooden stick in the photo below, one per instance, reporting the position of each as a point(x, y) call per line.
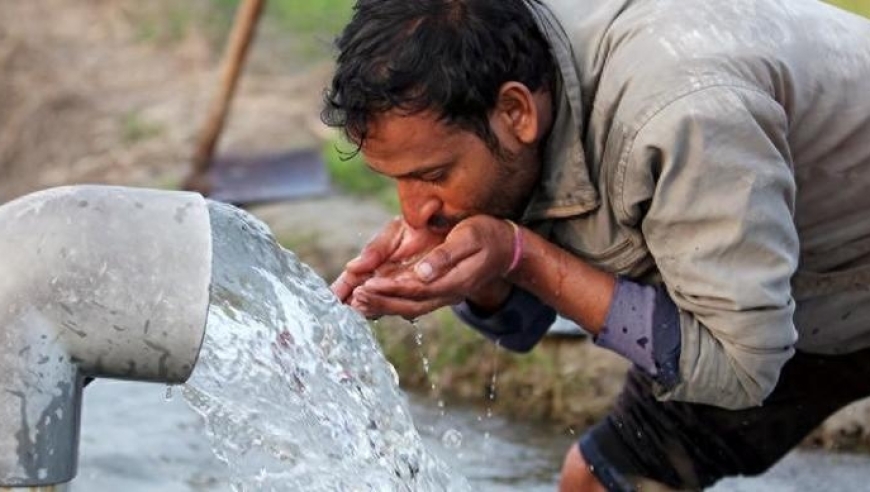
point(242, 33)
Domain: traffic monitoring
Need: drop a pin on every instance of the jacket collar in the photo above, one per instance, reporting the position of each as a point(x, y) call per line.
point(565, 188)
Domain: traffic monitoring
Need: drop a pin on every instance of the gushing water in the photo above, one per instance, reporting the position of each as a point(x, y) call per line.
point(294, 388)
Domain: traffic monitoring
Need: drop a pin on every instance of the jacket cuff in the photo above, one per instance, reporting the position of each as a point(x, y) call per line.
point(643, 325)
point(518, 325)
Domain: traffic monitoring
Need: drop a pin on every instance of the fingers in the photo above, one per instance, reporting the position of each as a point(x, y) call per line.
point(454, 268)
point(395, 242)
point(345, 284)
point(443, 259)
point(341, 288)
point(454, 283)
point(372, 305)
point(378, 249)
point(373, 255)
point(415, 242)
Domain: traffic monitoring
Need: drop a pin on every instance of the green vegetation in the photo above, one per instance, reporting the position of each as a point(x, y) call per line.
point(134, 128)
point(310, 16)
point(861, 7)
point(170, 22)
point(302, 16)
point(565, 381)
point(311, 24)
point(314, 23)
point(167, 181)
point(349, 171)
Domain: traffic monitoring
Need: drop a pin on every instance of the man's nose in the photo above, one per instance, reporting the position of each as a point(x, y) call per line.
point(418, 207)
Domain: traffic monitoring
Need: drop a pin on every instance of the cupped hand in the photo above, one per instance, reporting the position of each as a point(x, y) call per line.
point(471, 263)
point(394, 245)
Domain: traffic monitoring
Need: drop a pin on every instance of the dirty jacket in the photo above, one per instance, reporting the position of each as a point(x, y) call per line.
point(722, 148)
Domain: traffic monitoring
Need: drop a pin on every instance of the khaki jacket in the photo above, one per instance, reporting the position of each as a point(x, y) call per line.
point(722, 148)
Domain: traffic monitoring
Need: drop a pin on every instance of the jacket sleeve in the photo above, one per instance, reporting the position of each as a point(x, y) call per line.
point(720, 225)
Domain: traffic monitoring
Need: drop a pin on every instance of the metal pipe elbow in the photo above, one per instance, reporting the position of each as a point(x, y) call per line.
point(95, 281)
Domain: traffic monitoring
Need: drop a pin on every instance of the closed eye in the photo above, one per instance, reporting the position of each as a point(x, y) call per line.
point(433, 176)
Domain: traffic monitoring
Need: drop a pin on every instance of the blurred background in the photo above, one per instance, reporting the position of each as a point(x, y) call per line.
point(121, 91)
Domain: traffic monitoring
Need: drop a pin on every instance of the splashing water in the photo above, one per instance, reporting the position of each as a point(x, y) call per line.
point(421, 351)
point(294, 389)
point(492, 388)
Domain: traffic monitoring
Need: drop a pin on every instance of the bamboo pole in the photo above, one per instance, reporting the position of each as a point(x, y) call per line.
point(244, 25)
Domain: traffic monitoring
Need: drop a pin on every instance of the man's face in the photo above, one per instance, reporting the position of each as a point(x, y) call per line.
point(444, 174)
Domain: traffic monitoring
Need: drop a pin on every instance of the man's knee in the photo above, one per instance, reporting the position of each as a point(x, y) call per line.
point(577, 475)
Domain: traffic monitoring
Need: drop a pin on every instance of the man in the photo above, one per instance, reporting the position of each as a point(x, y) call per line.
point(686, 180)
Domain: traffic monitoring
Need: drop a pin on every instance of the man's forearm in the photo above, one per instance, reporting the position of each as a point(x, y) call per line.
point(559, 279)
point(636, 321)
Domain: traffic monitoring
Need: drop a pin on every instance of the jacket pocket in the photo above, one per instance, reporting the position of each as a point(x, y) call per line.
point(625, 257)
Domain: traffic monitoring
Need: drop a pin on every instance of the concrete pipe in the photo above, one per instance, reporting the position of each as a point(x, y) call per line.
point(95, 281)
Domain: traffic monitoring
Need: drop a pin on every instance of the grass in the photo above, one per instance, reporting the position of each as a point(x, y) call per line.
point(306, 26)
point(860, 7)
point(313, 23)
point(310, 16)
point(169, 23)
point(301, 15)
point(134, 128)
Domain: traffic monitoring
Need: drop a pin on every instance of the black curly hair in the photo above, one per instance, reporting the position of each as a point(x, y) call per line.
point(447, 56)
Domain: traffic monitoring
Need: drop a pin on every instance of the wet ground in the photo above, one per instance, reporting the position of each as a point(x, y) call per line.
point(135, 440)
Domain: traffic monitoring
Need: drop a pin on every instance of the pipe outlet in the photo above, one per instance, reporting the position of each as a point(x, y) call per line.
point(97, 281)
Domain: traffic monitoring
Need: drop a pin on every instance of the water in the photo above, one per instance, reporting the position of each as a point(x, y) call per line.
point(492, 389)
point(293, 387)
point(135, 441)
point(424, 359)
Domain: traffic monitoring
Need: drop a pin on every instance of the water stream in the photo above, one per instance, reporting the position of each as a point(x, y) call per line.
point(294, 388)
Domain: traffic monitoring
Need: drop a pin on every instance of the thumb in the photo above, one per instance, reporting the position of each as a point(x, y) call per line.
point(435, 264)
point(414, 242)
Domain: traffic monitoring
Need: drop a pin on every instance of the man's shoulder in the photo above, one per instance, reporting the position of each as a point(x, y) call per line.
point(658, 52)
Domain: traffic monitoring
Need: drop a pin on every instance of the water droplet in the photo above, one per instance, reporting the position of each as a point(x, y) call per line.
point(452, 439)
point(418, 338)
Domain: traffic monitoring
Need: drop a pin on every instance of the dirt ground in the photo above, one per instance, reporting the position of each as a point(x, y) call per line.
point(88, 95)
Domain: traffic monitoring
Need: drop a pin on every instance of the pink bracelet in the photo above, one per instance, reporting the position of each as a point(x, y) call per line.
point(518, 247)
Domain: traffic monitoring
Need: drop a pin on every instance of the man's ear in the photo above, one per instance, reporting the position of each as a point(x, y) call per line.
point(517, 111)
